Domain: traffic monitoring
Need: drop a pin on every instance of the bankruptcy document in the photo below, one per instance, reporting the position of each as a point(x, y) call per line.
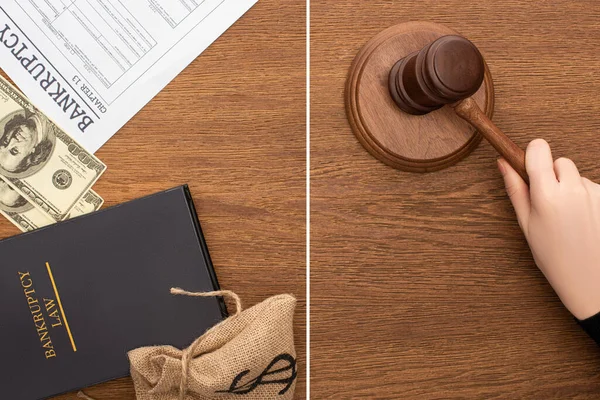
point(91, 65)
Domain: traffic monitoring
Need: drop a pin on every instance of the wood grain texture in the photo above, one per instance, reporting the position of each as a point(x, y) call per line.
point(422, 284)
point(233, 126)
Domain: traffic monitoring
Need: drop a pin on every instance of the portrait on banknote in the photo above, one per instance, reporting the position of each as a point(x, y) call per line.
point(11, 200)
point(26, 143)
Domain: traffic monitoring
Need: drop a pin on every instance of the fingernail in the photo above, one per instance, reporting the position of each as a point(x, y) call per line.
point(538, 143)
point(501, 166)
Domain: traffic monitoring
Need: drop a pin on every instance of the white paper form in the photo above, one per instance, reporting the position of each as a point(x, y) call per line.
point(91, 65)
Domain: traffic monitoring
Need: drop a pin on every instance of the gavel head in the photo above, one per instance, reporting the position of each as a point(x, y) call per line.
point(445, 71)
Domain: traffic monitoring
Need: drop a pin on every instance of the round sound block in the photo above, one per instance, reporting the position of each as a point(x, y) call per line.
point(408, 142)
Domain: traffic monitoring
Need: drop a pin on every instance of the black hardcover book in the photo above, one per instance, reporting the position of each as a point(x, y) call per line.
point(78, 295)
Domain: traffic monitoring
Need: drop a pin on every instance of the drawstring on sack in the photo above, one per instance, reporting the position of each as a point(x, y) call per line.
point(228, 294)
point(188, 353)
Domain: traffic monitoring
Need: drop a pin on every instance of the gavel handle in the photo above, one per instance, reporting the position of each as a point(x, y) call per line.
point(468, 110)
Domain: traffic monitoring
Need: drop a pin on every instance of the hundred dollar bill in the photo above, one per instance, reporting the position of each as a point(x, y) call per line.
point(19, 211)
point(28, 218)
point(39, 160)
point(89, 202)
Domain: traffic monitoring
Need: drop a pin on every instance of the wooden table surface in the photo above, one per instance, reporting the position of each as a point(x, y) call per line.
point(422, 286)
point(232, 126)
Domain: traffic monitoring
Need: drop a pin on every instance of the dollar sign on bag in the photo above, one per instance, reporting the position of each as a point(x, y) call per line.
point(238, 388)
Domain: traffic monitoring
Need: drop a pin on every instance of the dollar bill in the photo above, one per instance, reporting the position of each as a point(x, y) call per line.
point(44, 164)
point(89, 202)
point(27, 218)
point(19, 211)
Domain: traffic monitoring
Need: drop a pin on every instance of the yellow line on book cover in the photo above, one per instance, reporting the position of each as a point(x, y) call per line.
point(62, 311)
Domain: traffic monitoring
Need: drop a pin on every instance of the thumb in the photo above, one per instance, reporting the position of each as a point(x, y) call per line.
point(518, 192)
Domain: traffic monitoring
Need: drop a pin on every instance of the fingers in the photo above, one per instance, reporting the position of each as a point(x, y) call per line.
point(517, 190)
point(566, 171)
point(540, 166)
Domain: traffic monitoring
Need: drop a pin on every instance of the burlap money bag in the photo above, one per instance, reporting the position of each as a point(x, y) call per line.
point(249, 355)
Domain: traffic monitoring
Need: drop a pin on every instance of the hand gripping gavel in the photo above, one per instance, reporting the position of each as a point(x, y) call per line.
point(449, 71)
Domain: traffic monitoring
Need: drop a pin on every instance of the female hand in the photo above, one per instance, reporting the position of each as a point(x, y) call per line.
point(559, 214)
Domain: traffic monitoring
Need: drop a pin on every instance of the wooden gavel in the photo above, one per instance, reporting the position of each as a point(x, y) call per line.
point(449, 71)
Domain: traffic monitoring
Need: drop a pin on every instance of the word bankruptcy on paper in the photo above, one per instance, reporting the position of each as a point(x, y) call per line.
point(91, 65)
